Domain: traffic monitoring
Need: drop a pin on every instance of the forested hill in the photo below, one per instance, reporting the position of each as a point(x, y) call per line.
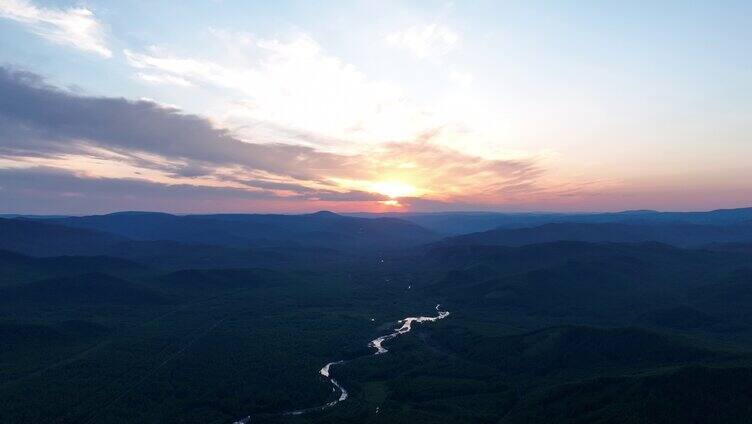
point(678, 234)
point(455, 223)
point(321, 229)
point(230, 240)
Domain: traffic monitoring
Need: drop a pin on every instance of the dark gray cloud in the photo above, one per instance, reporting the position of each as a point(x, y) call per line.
point(46, 189)
point(307, 193)
point(41, 120)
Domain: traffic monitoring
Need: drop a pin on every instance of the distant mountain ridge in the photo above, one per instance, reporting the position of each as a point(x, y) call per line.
point(119, 233)
point(678, 234)
point(320, 229)
point(455, 223)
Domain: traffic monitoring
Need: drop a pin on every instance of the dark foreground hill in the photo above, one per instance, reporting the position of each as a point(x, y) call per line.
point(599, 282)
point(89, 288)
point(687, 395)
point(16, 266)
point(574, 351)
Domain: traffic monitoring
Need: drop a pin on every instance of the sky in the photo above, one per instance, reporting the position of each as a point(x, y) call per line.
point(423, 106)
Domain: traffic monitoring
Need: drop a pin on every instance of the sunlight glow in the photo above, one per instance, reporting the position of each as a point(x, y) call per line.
point(392, 203)
point(393, 189)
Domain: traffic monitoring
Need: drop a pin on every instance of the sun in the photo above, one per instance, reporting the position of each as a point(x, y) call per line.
point(392, 203)
point(393, 189)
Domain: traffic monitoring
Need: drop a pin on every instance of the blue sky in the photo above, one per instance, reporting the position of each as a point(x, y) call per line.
point(579, 105)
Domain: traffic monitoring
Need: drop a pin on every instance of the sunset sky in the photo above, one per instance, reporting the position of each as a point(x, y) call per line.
point(240, 106)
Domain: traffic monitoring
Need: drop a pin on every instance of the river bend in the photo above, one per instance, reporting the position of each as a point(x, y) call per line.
point(378, 344)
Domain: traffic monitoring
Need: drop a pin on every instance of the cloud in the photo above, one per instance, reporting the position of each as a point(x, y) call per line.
point(424, 41)
point(148, 148)
point(75, 27)
point(162, 79)
point(37, 119)
point(443, 173)
point(47, 189)
point(294, 84)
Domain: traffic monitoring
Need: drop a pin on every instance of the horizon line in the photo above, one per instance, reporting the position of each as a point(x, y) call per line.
point(10, 215)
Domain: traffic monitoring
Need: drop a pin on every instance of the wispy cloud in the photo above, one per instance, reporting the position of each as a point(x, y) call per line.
point(292, 83)
point(75, 26)
point(161, 79)
point(425, 40)
point(439, 172)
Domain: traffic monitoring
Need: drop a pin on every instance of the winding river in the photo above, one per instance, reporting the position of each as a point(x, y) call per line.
point(378, 344)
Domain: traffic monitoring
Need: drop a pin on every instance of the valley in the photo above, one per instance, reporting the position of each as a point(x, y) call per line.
point(535, 330)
